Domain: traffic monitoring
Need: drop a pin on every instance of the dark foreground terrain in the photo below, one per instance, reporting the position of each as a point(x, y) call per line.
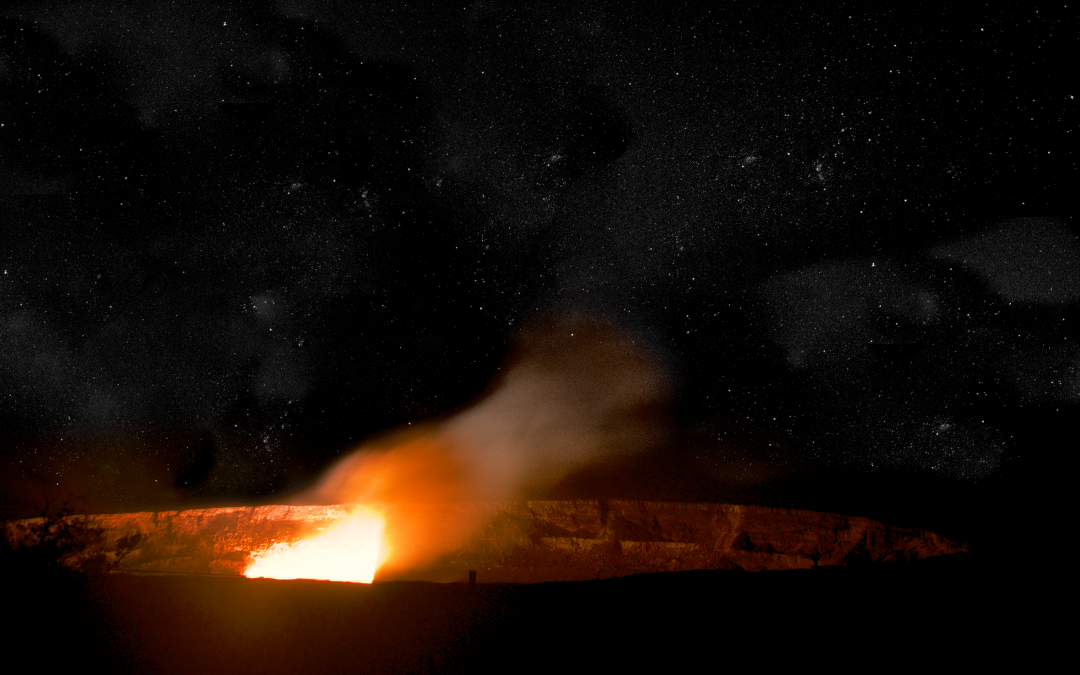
point(952, 611)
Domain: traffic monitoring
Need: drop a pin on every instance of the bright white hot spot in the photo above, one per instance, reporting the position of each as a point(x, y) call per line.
point(351, 550)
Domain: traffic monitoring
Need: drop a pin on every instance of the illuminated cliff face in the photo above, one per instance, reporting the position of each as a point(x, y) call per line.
point(508, 542)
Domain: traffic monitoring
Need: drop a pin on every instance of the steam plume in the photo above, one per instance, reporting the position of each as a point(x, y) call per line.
point(575, 389)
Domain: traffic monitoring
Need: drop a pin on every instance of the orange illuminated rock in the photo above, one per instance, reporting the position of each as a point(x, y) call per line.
point(519, 542)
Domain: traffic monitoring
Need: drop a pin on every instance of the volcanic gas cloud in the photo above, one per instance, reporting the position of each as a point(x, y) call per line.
point(575, 389)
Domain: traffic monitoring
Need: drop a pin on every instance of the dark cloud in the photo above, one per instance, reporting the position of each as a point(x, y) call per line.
point(914, 361)
point(1031, 260)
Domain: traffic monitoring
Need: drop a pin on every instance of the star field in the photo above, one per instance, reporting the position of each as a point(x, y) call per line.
point(239, 240)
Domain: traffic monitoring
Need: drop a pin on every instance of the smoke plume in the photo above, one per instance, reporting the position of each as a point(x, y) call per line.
point(576, 389)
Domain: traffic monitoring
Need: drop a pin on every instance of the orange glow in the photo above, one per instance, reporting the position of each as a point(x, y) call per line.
point(415, 465)
point(351, 550)
point(575, 391)
point(418, 465)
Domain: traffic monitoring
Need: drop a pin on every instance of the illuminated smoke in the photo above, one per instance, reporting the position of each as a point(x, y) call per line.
point(576, 389)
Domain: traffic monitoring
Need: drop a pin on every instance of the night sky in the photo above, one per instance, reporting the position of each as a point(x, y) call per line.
point(236, 239)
